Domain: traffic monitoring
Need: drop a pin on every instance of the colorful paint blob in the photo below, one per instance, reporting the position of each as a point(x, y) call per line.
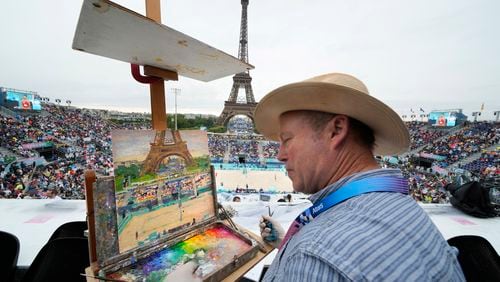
point(210, 250)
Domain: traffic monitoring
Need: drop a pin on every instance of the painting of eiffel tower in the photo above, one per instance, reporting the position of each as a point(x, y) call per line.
point(161, 149)
point(235, 105)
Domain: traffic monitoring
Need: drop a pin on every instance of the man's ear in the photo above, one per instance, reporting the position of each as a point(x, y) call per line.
point(338, 128)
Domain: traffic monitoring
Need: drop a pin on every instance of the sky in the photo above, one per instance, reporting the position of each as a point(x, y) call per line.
point(410, 54)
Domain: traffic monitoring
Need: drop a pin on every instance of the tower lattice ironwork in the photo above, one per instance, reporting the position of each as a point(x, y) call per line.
point(235, 105)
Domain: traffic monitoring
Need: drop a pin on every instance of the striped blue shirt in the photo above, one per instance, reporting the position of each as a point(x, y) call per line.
point(372, 237)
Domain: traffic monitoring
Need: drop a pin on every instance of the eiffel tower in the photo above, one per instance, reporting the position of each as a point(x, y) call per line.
point(235, 106)
point(160, 149)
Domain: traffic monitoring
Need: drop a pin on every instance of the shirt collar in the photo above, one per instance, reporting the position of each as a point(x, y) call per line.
point(350, 178)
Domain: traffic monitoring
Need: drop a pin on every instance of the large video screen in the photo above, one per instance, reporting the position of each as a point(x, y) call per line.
point(25, 101)
point(442, 119)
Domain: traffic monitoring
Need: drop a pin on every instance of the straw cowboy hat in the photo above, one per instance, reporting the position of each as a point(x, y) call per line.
point(340, 94)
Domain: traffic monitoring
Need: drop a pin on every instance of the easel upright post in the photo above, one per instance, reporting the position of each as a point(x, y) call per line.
point(158, 108)
point(157, 88)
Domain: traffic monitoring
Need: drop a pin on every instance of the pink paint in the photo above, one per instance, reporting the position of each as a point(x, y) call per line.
point(40, 219)
point(463, 221)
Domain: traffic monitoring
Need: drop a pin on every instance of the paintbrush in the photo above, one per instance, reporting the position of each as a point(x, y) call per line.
point(228, 218)
point(269, 211)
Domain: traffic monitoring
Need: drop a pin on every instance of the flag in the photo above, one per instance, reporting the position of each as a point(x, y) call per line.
point(482, 106)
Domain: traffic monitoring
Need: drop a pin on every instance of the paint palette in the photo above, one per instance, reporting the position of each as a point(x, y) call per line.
point(214, 251)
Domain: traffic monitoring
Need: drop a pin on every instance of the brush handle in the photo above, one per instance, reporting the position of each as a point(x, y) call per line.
point(274, 234)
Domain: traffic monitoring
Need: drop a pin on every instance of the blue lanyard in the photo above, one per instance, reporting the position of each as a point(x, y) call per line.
point(395, 184)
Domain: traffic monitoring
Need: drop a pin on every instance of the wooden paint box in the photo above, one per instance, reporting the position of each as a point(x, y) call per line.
point(145, 230)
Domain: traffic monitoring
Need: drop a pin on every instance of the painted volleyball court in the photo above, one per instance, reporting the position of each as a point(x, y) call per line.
point(142, 226)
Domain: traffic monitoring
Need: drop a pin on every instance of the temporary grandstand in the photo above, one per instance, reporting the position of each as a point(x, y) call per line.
point(81, 140)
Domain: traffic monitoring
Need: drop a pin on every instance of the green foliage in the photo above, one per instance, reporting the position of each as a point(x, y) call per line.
point(133, 171)
point(145, 177)
point(199, 164)
point(118, 183)
point(184, 121)
point(217, 129)
point(190, 123)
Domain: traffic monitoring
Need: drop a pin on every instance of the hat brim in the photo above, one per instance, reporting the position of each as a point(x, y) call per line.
point(391, 134)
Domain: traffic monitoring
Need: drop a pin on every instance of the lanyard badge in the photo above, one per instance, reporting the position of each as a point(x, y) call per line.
point(394, 184)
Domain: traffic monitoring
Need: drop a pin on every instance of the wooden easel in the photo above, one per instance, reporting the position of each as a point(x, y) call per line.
point(158, 118)
point(155, 76)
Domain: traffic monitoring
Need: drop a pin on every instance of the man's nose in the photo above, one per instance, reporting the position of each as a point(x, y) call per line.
point(281, 154)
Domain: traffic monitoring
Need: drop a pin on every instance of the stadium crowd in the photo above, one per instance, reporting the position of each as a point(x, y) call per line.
point(240, 125)
point(457, 146)
point(81, 140)
point(230, 147)
point(424, 185)
point(16, 133)
point(488, 165)
point(421, 134)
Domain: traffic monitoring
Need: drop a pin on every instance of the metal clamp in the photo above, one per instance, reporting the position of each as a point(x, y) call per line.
point(136, 73)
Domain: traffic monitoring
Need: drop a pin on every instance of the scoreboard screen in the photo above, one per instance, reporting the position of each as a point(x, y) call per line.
point(442, 119)
point(23, 100)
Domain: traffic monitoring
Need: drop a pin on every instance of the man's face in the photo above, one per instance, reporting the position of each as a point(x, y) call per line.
point(303, 151)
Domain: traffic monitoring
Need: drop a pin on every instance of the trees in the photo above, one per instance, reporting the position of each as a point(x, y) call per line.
point(191, 121)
